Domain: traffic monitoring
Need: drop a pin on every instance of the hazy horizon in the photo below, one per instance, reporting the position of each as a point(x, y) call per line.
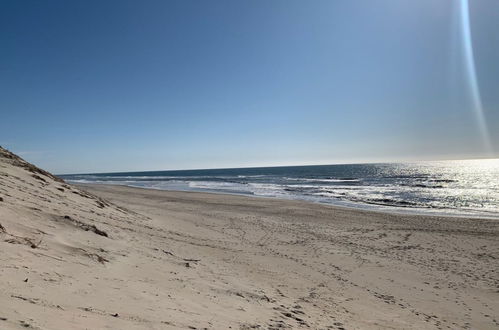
point(120, 86)
point(290, 165)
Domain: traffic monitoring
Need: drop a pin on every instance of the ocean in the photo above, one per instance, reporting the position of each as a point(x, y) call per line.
point(466, 187)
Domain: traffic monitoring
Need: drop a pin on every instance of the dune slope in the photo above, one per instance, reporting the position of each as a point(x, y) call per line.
point(56, 241)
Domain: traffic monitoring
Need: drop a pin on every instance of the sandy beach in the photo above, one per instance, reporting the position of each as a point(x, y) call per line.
point(115, 257)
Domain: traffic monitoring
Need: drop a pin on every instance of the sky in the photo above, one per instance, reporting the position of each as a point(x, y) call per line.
point(103, 86)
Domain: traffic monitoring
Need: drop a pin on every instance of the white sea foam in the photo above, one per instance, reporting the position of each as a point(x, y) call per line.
point(322, 180)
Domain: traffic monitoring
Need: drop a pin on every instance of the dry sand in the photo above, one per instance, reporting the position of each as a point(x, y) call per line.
point(194, 261)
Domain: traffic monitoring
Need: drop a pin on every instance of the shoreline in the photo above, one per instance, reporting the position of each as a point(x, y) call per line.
point(351, 205)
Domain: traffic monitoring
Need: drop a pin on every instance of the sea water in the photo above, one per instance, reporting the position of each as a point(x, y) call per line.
point(467, 187)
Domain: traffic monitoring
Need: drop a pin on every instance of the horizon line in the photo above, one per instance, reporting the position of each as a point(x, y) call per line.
point(280, 166)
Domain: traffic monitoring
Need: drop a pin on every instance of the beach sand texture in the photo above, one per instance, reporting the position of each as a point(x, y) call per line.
point(114, 257)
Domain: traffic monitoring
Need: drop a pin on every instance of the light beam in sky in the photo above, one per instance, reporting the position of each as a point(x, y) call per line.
point(472, 81)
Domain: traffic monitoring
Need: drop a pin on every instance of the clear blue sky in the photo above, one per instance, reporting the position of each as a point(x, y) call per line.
point(97, 86)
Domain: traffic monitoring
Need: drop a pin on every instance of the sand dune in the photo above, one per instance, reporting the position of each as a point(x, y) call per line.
point(109, 257)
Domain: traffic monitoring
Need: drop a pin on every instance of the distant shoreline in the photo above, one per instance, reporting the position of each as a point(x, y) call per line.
point(355, 206)
point(463, 188)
